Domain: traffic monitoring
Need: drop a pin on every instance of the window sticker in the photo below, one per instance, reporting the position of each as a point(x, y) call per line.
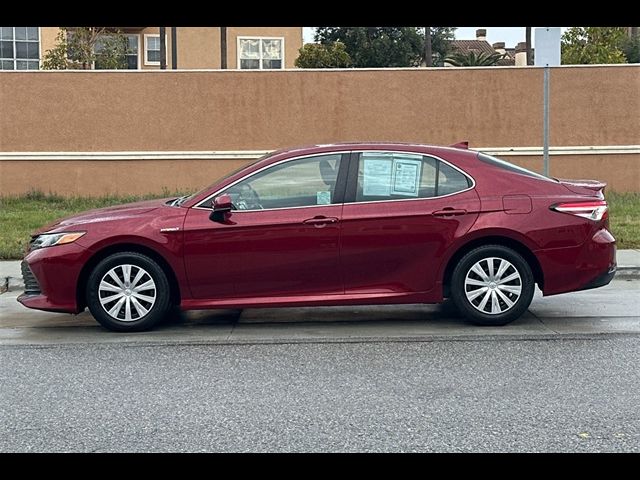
point(406, 177)
point(377, 176)
point(323, 198)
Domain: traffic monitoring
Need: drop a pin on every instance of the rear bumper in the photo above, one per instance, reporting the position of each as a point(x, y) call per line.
point(601, 280)
point(586, 266)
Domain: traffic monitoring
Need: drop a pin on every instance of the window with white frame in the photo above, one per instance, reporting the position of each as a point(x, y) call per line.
point(260, 53)
point(152, 49)
point(19, 48)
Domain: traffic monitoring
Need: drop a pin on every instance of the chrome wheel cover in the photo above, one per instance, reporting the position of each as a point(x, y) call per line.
point(127, 293)
point(493, 285)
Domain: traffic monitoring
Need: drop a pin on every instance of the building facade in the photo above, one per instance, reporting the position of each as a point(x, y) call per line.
point(248, 48)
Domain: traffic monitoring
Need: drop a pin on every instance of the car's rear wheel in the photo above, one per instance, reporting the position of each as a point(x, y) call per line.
point(492, 285)
point(128, 292)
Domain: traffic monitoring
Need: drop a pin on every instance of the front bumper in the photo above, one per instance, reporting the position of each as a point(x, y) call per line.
point(51, 278)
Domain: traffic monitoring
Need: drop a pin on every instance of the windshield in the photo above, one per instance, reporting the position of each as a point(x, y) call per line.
point(179, 201)
point(497, 162)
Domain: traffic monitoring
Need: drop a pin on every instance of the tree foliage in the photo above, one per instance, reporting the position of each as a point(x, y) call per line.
point(387, 46)
point(589, 45)
point(316, 55)
point(473, 58)
point(84, 47)
point(631, 49)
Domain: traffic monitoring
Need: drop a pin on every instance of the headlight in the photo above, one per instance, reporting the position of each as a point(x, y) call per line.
point(51, 239)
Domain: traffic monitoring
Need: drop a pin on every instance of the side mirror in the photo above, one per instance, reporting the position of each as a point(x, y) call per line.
point(222, 207)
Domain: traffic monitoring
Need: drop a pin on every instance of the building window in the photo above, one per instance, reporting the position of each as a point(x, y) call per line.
point(260, 53)
point(19, 48)
point(152, 49)
point(132, 52)
point(131, 56)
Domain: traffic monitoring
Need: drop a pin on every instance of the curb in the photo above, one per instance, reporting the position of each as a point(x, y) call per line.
point(11, 284)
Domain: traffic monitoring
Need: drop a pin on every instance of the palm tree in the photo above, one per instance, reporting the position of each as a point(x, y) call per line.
point(428, 56)
point(473, 58)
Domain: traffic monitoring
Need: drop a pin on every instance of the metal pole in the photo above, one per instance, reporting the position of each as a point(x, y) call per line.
point(223, 47)
point(163, 48)
point(545, 127)
point(174, 48)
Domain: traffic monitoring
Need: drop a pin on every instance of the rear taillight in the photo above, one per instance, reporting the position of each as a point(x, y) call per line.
point(595, 210)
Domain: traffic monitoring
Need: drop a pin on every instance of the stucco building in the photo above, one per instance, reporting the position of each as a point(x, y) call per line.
point(248, 48)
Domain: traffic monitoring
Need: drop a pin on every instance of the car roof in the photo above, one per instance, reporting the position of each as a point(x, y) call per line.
point(338, 147)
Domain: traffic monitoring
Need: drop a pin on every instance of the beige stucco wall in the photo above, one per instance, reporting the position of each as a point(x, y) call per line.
point(93, 178)
point(231, 110)
point(47, 39)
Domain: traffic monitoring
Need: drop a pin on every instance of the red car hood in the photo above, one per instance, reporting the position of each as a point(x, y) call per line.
point(103, 214)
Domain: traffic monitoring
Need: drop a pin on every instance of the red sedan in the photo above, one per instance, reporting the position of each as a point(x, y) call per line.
point(345, 224)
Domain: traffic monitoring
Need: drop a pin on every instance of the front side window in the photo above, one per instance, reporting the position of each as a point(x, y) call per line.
point(302, 182)
point(400, 176)
point(19, 48)
point(152, 49)
point(260, 53)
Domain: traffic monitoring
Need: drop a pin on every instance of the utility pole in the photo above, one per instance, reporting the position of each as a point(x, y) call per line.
point(223, 48)
point(528, 43)
point(174, 48)
point(163, 48)
point(428, 55)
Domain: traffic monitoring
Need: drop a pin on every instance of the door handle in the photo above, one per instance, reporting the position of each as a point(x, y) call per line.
point(449, 212)
point(320, 221)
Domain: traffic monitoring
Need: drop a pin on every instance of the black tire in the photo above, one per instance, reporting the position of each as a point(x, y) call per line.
point(466, 306)
point(156, 311)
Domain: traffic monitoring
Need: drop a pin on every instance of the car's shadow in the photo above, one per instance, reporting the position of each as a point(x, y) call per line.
point(300, 315)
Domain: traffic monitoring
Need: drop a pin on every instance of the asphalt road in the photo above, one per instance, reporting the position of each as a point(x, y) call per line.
point(564, 377)
point(553, 395)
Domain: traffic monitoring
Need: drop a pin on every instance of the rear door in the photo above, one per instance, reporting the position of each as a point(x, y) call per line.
point(401, 212)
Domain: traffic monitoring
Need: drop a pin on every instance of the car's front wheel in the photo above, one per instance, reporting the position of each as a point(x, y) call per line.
point(492, 285)
point(128, 292)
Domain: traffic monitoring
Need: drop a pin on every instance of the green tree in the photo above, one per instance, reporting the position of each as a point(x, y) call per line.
point(84, 47)
point(588, 45)
point(387, 46)
point(474, 59)
point(631, 48)
point(316, 55)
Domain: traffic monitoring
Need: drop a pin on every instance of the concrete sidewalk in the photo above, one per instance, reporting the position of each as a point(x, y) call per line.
point(11, 276)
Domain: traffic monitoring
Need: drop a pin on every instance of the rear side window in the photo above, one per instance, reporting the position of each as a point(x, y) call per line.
point(401, 176)
point(497, 162)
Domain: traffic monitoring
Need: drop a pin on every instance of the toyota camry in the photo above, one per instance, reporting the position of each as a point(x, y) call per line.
point(342, 224)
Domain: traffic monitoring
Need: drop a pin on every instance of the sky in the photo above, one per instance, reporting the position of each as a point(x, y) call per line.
point(509, 35)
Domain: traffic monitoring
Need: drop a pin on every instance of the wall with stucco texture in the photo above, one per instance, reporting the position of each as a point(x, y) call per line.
point(230, 110)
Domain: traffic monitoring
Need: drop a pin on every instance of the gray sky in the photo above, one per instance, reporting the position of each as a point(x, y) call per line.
point(509, 35)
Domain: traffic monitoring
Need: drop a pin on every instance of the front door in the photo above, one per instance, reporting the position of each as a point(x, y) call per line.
point(400, 214)
point(282, 239)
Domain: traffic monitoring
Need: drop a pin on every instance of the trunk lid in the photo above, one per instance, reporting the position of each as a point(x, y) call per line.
point(592, 188)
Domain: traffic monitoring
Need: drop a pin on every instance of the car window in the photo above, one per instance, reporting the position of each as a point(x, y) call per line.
point(498, 162)
point(297, 183)
point(451, 180)
point(397, 176)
